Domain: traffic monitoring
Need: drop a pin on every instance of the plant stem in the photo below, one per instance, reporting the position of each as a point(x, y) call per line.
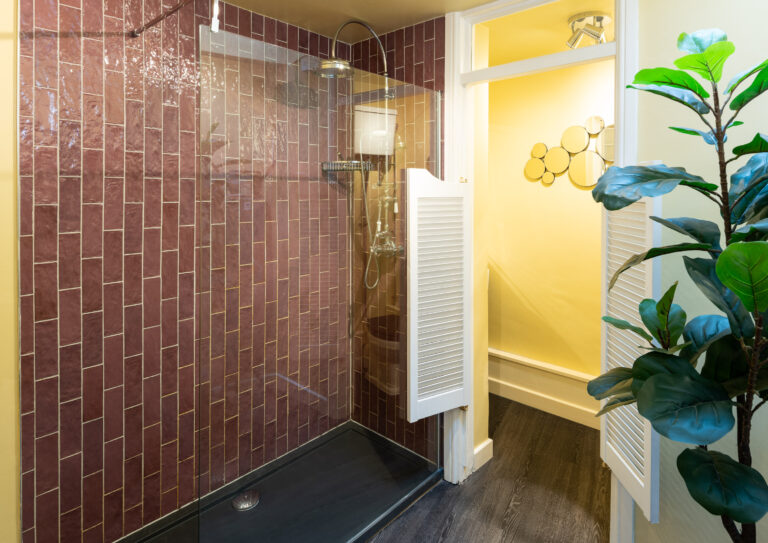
point(731, 528)
point(744, 421)
point(745, 453)
point(744, 414)
point(725, 207)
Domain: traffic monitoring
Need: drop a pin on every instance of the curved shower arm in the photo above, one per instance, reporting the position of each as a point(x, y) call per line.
point(373, 33)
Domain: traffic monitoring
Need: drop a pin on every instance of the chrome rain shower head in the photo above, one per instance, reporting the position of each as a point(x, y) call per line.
point(335, 67)
point(590, 24)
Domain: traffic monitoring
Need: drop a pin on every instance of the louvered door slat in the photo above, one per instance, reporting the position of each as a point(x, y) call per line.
point(628, 443)
point(439, 297)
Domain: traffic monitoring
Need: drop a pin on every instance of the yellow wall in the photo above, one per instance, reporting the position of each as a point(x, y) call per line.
point(9, 355)
point(544, 241)
point(660, 23)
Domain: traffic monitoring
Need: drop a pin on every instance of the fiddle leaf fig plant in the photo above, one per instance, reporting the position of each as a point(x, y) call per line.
point(701, 379)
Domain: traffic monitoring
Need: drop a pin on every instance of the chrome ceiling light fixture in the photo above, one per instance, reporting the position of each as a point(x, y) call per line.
point(335, 67)
point(590, 24)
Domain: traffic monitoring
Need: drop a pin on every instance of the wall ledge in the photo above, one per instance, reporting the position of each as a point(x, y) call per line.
point(559, 391)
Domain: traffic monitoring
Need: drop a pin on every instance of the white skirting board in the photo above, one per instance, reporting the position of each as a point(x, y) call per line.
point(559, 391)
point(483, 453)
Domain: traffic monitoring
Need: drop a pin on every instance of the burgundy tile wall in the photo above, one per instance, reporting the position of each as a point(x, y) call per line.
point(415, 55)
point(110, 325)
point(273, 257)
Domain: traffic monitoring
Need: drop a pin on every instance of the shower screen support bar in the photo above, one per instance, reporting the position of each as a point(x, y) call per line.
point(138, 31)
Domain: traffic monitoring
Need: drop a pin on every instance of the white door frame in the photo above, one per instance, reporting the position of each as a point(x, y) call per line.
point(459, 162)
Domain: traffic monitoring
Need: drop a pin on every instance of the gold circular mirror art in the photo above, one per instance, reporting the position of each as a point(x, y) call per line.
point(575, 139)
point(556, 160)
point(534, 169)
point(594, 125)
point(604, 144)
point(586, 168)
point(539, 150)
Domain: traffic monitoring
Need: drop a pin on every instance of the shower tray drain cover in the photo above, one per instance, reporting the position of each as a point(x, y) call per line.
point(246, 500)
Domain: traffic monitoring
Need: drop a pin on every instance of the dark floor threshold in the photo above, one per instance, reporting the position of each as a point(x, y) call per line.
point(397, 509)
point(193, 509)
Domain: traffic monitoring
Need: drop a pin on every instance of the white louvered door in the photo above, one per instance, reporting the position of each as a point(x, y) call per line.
point(629, 445)
point(439, 294)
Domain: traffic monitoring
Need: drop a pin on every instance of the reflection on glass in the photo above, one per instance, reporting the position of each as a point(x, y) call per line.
point(605, 143)
point(586, 168)
point(594, 125)
point(405, 128)
point(575, 139)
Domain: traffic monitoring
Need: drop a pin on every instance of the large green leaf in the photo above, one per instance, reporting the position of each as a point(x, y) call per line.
point(616, 401)
point(700, 332)
point(619, 187)
point(743, 268)
point(751, 232)
point(741, 76)
point(698, 229)
point(723, 486)
point(682, 96)
point(745, 177)
point(670, 78)
point(702, 272)
point(624, 325)
point(664, 307)
point(701, 40)
point(738, 385)
point(619, 389)
point(663, 319)
point(758, 87)
point(651, 364)
point(759, 144)
point(725, 360)
point(709, 137)
point(653, 253)
point(598, 386)
point(709, 63)
point(686, 408)
point(748, 194)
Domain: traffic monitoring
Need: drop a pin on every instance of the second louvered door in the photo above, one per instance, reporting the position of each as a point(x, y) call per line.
point(439, 255)
point(629, 445)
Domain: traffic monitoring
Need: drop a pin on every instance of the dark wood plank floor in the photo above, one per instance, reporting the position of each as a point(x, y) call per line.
point(545, 484)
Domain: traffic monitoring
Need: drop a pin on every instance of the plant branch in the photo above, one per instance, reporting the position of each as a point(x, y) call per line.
point(705, 121)
point(733, 117)
point(730, 527)
point(716, 198)
point(758, 406)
